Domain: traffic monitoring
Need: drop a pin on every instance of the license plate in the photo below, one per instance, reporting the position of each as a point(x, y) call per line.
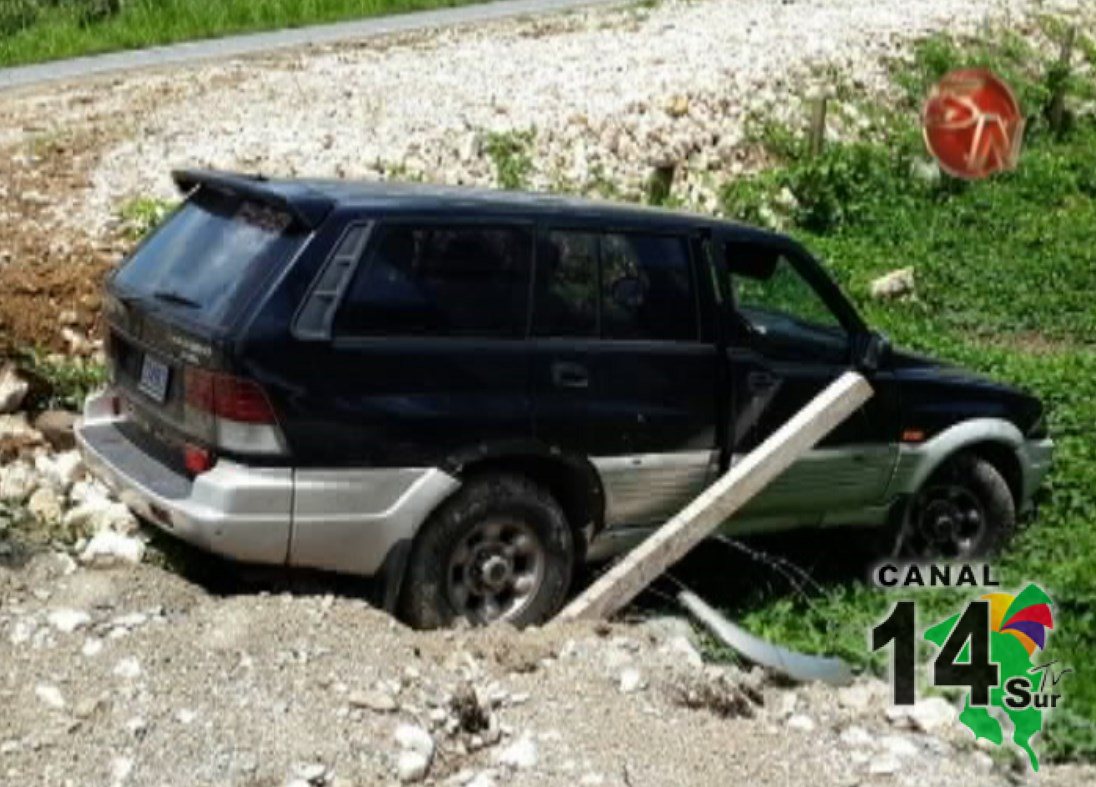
point(154, 376)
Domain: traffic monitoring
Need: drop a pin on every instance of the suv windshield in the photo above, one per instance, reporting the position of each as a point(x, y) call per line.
point(199, 258)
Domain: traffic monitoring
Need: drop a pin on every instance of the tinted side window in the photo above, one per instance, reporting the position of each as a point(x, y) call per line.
point(566, 291)
point(446, 281)
point(647, 290)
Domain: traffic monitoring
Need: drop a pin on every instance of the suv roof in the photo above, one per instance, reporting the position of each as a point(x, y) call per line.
point(311, 199)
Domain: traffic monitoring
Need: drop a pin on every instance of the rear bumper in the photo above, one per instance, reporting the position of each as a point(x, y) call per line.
point(338, 520)
point(233, 510)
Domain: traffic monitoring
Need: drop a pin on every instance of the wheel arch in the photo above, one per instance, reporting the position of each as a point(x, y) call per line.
point(573, 482)
point(993, 439)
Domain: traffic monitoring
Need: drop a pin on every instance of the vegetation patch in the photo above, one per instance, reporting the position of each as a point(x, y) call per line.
point(509, 153)
point(1005, 272)
point(140, 215)
point(66, 381)
point(37, 30)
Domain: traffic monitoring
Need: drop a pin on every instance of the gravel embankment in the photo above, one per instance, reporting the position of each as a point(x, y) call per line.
point(607, 95)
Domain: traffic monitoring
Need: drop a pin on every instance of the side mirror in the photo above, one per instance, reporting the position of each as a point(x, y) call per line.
point(873, 348)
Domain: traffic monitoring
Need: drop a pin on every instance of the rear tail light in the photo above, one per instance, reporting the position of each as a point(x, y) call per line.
point(228, 397)
point(231, 413)
point(197, 459)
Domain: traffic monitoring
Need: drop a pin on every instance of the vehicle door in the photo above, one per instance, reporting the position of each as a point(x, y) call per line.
point(621, 371)
point(791, 333)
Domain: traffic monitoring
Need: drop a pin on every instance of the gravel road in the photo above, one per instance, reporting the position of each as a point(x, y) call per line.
point(190, 52)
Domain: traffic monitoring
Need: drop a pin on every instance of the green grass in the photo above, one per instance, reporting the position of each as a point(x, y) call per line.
point(38, 30)
point(1006, 274)
point(509, 154)
point(140, 215)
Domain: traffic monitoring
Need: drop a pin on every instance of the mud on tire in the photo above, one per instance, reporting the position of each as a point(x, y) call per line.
point(496, 527)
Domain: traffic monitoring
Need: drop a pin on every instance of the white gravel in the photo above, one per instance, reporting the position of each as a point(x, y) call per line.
point(608, 93)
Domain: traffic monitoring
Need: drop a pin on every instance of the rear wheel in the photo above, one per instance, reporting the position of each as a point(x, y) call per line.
point(963, 511)
point(501, 549)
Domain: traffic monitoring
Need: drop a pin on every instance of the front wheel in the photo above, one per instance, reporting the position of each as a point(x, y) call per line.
point(501, 549)
point(963, 511)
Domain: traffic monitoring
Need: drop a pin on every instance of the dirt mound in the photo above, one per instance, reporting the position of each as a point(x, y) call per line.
point(51, 274)
point(136, 676)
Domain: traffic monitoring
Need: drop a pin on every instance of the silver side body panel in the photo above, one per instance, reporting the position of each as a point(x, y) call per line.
point(233, 510)
point(843, 483)
point(348, 520)
point(851, 485)
point(917, 462)
point(649, 488)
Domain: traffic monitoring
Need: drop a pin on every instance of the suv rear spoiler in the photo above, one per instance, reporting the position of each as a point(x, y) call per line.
point(305, 205)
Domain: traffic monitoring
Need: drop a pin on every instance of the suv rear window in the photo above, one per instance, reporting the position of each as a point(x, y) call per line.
point(198, 259)
point(440, 281)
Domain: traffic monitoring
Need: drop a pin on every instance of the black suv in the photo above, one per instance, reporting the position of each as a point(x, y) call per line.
point(465, 393)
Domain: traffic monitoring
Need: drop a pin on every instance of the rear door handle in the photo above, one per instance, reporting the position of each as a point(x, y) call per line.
point(566, 374)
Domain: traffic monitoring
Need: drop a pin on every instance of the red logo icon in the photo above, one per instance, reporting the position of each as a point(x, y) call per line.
point(972, 124)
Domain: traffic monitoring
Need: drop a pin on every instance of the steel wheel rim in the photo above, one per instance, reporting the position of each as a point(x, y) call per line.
point(495, 571)
point(947, 519)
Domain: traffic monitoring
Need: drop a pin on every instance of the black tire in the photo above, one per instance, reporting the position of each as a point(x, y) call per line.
point(437, 576)
point(965, 486)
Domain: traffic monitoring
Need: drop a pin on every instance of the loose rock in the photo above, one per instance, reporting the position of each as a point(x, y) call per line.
point(13, 389)
point(57, 427)
point(50, 696)
point(801, 723)
point(96, 516)
point(17, 481)
point(45, 505)
point(378, 701)
point(931, 714)
point(631, 681)
point(108, 549)
point(411, 737)
point(519, 755)
point(411, 766)
point(893, 285)
point(68, 620)
point(128, 668)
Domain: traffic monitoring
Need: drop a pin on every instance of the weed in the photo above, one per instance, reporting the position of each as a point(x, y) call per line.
point(509, 153)
point(140, 215)
point(70, 380)
point(600, 185)
point(400, 172)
